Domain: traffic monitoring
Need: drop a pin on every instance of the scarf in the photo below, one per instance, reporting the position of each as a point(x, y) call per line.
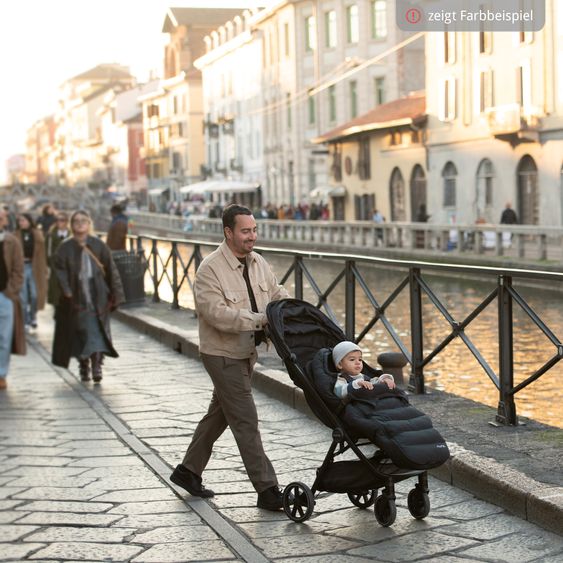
point(85, 275)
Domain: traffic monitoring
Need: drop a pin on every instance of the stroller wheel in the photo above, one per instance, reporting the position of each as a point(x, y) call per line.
point(362, 500)
point(418, 503)
point(385, 510)
point(298, 502)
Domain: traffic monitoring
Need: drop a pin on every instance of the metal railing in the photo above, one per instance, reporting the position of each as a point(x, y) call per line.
point(175, 262)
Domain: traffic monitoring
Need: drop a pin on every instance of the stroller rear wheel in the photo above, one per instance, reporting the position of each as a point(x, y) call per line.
point(362, 500)
point(385, 510)
point(298, 501)
point(418, 503)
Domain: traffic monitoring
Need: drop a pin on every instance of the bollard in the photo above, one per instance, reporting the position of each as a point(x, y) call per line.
point(393, 363)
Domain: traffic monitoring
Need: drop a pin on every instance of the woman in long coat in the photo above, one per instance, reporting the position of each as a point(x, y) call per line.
point(91, 289)
point(34, 289)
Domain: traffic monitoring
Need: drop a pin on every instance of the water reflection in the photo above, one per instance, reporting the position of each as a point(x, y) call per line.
point(455, 369)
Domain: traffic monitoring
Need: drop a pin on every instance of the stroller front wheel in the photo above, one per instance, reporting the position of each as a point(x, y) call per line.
point(362, 500)
point(418, 503)
point(298, 501)
point(385, 510)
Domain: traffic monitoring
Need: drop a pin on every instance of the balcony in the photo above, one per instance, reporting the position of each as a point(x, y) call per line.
point(514, 123)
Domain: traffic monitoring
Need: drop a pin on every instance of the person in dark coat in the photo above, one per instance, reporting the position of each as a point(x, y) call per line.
point(117, 232)
point(47, 219)
point(91, 288)
point(34, 290)
point(57, 233)
point(508, 216)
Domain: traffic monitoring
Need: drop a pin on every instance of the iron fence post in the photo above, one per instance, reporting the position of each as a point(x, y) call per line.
point(350, 301)
point(154, 254)
point(506, 411)
point(416, 380)
point(197, 257)
point(175, 289)
point(298, 278)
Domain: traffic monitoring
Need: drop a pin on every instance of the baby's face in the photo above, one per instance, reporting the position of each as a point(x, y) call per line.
point(352, 363)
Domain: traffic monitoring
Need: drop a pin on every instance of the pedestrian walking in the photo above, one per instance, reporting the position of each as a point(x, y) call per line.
point(34, 290)
point(11, 219)
point(233, 286)
point(12, 335)
point(47, 218)
point(91, 289)
point(57, 233)
point(117, 232)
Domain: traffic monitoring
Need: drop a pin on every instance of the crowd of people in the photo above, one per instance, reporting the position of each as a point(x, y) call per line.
point(302, 211)
point(55, 258)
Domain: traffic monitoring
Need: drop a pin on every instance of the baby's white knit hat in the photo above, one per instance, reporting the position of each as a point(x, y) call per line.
point(343, 348)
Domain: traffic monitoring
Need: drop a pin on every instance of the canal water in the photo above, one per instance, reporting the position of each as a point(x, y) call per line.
point(455, 369)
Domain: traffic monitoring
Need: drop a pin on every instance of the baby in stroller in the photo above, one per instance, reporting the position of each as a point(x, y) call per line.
point(347, 358)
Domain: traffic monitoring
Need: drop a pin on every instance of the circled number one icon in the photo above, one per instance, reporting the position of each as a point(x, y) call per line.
point(413, 15)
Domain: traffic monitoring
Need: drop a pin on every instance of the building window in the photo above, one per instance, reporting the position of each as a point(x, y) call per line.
point(486, 99)
point(330, 29)
point(449, 47)
point(311, 110)
point(353, 98)
point(310, 36)
point(526, 36)
point(364, 160)
point(352, 24)
point(524, 84)
point(364, 206)
point(397, 196)
point(288, 105)
point(485, 176)
point(449, 174)
point(395, 138)
point(332, 103)
point(286, 39)
point(379, 19)
point(379, 87)
point(485, 42)
point(448, 105)
point(336, 167)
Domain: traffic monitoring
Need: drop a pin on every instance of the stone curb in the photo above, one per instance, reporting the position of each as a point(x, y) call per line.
point(539, 503)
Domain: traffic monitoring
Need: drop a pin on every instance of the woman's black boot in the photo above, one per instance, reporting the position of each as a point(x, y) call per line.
point(97, 358)
point(84, 369)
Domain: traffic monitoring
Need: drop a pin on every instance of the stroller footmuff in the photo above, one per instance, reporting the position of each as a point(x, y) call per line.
point(407, 444)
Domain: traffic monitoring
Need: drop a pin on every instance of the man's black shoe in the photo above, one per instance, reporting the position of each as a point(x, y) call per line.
point(270, 499)
point(188, 480)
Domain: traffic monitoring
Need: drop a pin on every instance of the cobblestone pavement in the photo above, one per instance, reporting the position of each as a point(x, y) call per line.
point(84, 475)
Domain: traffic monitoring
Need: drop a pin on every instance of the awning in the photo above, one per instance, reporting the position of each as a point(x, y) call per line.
point(327, 191)
point(219, 186)
point(157, 191)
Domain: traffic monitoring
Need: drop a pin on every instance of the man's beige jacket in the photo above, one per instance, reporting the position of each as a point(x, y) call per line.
point(226, 320)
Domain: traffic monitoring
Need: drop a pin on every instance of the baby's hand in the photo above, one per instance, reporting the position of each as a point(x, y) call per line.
point(365, 384)
point(388, 379)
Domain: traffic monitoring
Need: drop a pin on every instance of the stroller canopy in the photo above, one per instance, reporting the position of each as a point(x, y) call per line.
point(299, 328)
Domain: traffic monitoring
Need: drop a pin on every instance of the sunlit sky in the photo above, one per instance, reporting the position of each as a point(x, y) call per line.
point(45, 42)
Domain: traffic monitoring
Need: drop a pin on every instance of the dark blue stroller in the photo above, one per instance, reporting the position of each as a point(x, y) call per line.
point(407, 444)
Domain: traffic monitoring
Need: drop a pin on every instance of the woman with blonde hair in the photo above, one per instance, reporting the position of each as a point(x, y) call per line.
point(91, 288)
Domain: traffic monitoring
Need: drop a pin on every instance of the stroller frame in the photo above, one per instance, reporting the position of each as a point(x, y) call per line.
point(375, 473)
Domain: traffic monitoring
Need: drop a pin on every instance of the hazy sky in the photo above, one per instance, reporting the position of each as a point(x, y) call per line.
point(45, 42)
